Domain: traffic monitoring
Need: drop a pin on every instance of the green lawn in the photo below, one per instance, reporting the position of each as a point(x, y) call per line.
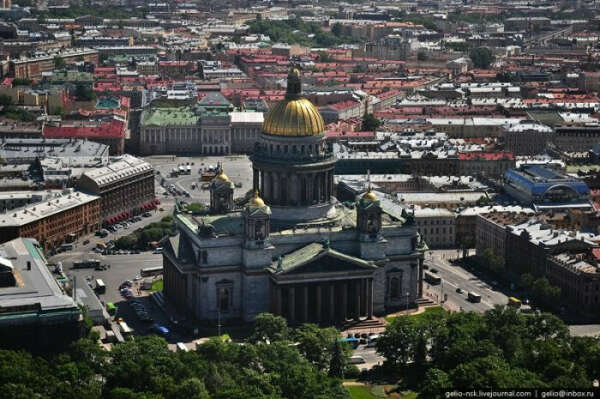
point(157, 285)
point(378, 392)
point(430, 310)
point(360, 392)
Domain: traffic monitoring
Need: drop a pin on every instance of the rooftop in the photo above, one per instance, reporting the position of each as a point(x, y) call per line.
point(119, 168)
point(36, 287)
point(34, 212)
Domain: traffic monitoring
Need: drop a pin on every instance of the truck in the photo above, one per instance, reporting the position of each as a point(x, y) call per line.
point(474, 297)
point(86, 264)
point(514, 302)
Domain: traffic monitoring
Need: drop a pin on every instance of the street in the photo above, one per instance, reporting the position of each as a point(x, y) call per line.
point(454, 277)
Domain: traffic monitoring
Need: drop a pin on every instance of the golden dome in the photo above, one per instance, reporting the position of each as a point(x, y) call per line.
point(221, 176)
point(369, 196)
point(294, 117)
point(256, 200)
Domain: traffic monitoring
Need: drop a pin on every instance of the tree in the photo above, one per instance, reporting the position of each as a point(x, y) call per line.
point(338, 361)
point(5, 100)
point(84, 93)
point(325, 57)
point(422, 56)
point(316, 343)
point(434, 383)
point(397, 343)
point(59, 63)
point(370, 123)
point(336, 29)
point(482, 57)
point(126, 242)
point(192, 388)
point(269, 327)
point(526, 281)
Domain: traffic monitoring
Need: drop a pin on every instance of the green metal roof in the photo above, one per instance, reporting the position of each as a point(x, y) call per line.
point(310, 252)
point(169, 117)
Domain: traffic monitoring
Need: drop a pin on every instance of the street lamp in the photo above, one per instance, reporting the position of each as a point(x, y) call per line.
point(407, 295)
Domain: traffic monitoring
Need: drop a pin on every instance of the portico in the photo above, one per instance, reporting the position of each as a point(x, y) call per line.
point(324, 301)
point(316, 284)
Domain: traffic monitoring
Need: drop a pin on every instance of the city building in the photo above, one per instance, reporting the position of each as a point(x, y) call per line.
point(576, 138)
point(203, 128)
point(437, 226)
point(526, 138)
point(33, 67)
point(545, 187)
point(295, 252)
point(529, 244)
point(578, 277)
point(245, 130)
point(111, 131)
point(36, 313)
point(54, 222)
point(125, 186)
point(491, 164)
point(491, 232)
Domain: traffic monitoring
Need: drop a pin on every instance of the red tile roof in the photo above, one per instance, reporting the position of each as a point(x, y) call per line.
point(487, 156)
point(106, 129)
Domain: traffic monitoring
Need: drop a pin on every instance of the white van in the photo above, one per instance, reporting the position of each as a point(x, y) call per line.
point(356, 360)
point(181, 347)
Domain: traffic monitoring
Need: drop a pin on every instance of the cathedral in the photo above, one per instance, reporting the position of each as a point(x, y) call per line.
point(293, 249)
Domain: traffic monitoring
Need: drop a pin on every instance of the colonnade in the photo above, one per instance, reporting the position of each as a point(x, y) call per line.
point(296, 189)
point(319, 302)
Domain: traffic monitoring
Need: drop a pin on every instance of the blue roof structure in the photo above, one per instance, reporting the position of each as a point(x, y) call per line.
point(535, 181)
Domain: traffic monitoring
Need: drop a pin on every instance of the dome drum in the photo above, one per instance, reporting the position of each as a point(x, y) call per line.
point(275, 149)
point(293, 167)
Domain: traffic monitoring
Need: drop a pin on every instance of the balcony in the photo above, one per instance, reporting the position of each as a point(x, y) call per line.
point(291, 158)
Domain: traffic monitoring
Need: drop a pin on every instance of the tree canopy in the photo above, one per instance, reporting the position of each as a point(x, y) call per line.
point(499, 349)
point(482, 57)
point(370, 123)
point(145, 368)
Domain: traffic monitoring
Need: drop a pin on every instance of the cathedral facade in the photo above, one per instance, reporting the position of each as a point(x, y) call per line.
point(293, 250)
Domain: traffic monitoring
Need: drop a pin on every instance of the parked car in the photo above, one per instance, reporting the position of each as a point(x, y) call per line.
point(146, 214)
point(159, 329)
point(459, 290)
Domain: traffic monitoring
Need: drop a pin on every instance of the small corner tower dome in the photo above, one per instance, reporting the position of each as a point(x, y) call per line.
point(295, 115)
point(256, 201)
point(369, 196)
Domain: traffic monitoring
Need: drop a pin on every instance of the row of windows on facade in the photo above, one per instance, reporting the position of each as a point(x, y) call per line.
point(437, 230)
point(309, 148)
point(155, 136)
point(435, 221)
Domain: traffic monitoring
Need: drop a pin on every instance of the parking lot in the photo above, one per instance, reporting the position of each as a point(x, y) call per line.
point(237, 167)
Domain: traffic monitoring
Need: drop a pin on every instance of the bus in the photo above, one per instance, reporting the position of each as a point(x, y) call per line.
point(100, 287)
point(151, 271)
point(86, 264)
point(514, 302)
point(473, 297)
point(125, 329)
point(432, 278)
